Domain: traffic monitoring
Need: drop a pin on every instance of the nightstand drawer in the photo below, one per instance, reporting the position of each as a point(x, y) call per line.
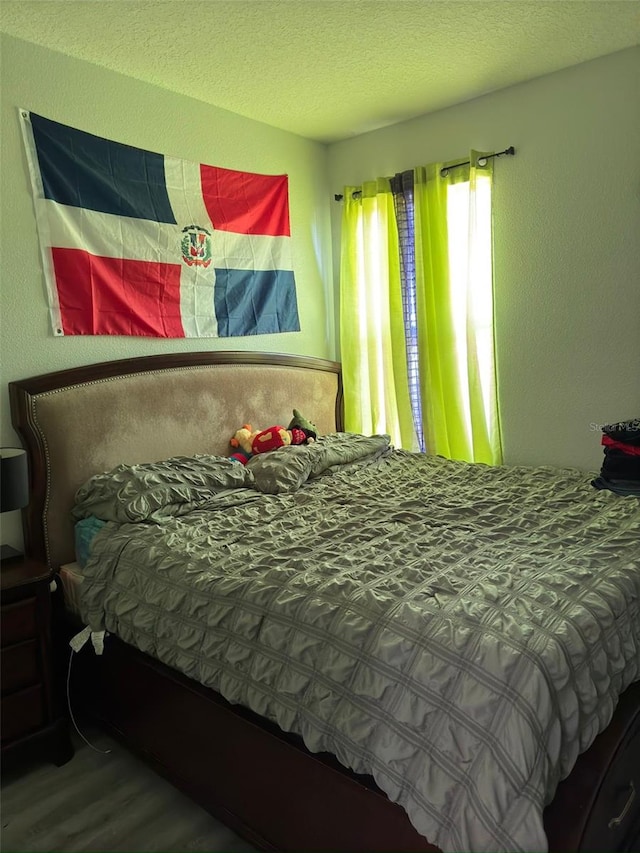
point(19, 666)
point(21, 712)
point(18, 621)
point(32, 718)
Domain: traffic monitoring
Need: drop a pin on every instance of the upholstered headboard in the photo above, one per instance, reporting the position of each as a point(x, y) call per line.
point(78, 422)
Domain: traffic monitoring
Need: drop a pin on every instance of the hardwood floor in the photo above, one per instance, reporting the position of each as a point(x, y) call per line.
point(101, 802)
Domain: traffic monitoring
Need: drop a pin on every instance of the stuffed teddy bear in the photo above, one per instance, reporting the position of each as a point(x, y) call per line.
point(242, 440)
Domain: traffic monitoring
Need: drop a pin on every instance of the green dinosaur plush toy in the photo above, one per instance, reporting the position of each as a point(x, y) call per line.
point(300, 422)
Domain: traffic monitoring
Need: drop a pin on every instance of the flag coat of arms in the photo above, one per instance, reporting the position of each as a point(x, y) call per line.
point(138, 243)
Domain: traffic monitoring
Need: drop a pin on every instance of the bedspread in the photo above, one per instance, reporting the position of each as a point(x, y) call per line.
point(459, 632)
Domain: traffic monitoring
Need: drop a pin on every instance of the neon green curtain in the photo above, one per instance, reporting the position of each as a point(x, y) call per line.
point(454, 297)
point(376, 389)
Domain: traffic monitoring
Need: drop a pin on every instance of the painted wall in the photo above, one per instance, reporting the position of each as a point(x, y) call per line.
point(112, 105)
point(567, 254)
point(566, 244)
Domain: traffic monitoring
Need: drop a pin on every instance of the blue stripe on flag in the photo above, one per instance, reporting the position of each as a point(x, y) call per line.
point(255, 302)
point(82, 170)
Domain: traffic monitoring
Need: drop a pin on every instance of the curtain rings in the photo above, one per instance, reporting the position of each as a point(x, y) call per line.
point(482, 161)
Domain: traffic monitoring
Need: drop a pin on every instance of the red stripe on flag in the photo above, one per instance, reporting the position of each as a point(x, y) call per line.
point(246, 203)
point(114, 296)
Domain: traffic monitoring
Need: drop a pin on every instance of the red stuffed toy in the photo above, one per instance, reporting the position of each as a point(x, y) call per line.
point(276, 437)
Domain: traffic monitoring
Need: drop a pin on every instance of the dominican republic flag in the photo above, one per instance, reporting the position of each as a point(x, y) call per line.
point(136, 243)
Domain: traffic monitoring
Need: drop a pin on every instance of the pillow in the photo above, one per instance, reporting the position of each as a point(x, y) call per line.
point(153, 491)
point(283, 470)
point(286, 469)
point(84, 532)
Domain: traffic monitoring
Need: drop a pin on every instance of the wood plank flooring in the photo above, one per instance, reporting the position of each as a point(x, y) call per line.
point(104, 803)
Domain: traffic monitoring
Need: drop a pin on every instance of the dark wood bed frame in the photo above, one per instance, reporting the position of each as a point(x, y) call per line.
point(260, 781)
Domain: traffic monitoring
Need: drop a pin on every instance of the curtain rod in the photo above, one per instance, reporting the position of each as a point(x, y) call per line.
point(482, 161)
point(445, 170)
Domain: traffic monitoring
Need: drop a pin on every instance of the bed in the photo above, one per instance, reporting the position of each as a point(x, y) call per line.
point(262, 729)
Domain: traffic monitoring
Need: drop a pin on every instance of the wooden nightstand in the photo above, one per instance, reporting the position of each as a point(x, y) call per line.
point(32, 723)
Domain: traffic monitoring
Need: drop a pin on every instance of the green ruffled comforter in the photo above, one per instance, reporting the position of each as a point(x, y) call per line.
point(460, 632)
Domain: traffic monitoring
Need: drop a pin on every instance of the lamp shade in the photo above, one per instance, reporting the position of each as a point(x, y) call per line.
point(14, 479)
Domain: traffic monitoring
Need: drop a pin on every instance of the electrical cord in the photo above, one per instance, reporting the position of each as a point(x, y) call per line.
point(71, 715)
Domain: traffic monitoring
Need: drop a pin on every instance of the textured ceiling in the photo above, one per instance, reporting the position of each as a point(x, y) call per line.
point(328, 69)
